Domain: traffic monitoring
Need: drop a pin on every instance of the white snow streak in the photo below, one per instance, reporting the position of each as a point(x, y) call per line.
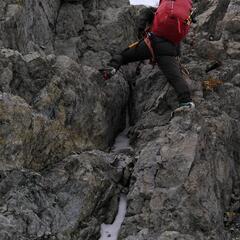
point(110, 231)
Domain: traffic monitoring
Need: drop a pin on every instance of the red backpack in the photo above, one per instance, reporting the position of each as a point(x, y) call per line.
point(172, 19)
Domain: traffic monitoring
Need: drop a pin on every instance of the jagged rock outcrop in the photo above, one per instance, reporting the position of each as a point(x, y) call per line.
point(60, 177)
point(50, 108)
point(76, 108)
point(187, 169)
point(55, 204)
point(28, 25)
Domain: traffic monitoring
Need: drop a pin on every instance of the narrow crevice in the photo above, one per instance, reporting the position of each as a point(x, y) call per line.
point(110, 231)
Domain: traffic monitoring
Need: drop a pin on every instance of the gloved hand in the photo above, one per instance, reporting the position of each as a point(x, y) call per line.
point(108, 72)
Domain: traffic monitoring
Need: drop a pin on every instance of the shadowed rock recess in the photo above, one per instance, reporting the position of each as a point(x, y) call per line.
point(59, 178)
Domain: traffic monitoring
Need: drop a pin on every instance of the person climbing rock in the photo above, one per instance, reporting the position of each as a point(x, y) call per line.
point(160, 31)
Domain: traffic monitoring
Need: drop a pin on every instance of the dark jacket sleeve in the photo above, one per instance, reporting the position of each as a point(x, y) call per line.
point(145, 19)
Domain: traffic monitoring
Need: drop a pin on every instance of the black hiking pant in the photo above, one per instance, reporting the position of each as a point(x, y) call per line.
point(165, 56)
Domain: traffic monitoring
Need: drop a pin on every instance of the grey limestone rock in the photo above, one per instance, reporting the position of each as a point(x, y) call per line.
point(65, 110)
point(28, 25)
point(58, 203)
point(61, 175)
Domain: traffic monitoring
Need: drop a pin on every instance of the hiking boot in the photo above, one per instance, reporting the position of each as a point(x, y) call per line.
point(108, 72)
point(187, 106)
point(183, 107)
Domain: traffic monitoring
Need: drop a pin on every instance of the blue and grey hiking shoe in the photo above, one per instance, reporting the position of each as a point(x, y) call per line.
point(185, 106)
point(108, 72)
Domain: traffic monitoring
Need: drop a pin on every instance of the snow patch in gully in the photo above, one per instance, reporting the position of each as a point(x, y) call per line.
point(110, 231)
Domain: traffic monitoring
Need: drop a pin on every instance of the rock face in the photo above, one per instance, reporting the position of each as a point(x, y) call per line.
point(58, 202)
point(60, 177)
point(28, 25)
point(72, 101)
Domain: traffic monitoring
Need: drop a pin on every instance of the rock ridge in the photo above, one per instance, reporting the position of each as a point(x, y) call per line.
point(61, 175)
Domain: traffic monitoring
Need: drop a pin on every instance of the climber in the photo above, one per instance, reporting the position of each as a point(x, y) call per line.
point(160, 31)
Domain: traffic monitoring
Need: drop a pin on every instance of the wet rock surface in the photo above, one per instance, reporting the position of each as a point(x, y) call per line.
point(60, 174)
